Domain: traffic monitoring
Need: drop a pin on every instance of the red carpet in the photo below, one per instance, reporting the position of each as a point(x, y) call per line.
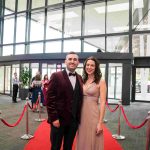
point(41, 139)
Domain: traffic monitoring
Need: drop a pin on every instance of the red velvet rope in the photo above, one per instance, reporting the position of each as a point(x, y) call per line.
point(129, 124)
point(111, 110)
point(29, 106)
point(15, 124)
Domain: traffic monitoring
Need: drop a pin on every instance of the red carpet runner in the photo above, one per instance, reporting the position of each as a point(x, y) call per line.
point(41, 139)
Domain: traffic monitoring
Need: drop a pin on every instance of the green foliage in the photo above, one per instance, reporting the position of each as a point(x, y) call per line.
point(25, 76)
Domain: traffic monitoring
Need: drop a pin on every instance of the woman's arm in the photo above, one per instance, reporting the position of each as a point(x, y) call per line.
point(103, 93)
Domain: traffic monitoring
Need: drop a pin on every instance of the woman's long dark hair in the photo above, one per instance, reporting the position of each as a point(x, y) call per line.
point(45, 76)
point(97, 73)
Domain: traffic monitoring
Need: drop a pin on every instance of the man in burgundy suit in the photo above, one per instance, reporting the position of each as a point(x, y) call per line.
point(64, 100)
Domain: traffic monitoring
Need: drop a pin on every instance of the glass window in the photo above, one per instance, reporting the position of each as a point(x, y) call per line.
point(52, 47)
point(141, 45)
point(115, 81)
point(7, 79)
point(22, 4)
point(25, 65)
point(20, 49)
point(8, 29)
point(93, 44)
point(37, 26)
point(72, 45)
point(51, 69)
point(54, 24)
point(142, 85)
point(7, 50)
point(51, 2)
point(102, 68)
point(79, 69)
point(141, 15)
point(34, 68)
point(44, 70)
point(117, 16)
point(9, 6)
point(38, 3)
point(95, 19)
point(36, 48)
point(48, 69)
point(1, 79)
point(72, 22)
point(118, 44)
point(21, 27)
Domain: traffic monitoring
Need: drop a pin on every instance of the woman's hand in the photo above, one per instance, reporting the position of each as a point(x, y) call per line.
point(99, 129)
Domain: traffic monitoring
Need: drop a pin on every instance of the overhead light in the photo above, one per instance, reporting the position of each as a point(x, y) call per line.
point(138, 4)
point(93, 31)
point(113, 8)
point(145, 26)
point(70, 14)
point(100, 10)
point(126, 28)
point(121, 29)
point(55, 17)
point(75, 32)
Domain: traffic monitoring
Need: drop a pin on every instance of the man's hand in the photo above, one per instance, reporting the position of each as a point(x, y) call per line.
point(56, 123)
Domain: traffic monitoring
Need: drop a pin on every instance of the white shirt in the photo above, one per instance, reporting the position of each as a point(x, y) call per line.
point(71, 78)
point(15, 81)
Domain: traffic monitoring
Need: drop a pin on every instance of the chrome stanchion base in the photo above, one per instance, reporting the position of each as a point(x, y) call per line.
point(40, 120)
point(118, 137)
point(27, 137)
point(105, 120)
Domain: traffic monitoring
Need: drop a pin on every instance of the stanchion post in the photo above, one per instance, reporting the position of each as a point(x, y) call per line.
point(27, 136)
point(118, 136)
point(0, 114)
point(39, 107)
point(148, 132)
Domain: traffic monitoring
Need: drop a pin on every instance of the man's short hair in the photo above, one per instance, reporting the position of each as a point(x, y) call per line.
point(71, 52)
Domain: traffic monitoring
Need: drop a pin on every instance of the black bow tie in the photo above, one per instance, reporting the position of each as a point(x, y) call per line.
point(71, 74)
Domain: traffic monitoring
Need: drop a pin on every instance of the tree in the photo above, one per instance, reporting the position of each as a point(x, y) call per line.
point(25, 76)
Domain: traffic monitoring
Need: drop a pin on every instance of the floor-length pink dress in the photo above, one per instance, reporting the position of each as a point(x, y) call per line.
point(86, 136)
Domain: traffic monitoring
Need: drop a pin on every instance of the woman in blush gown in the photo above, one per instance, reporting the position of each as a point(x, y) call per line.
point(36, 90)
point(90, 133)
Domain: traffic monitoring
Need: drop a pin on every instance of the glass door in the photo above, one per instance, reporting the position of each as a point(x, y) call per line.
point(6, 75)
point(34, 69)
point(114, 82)
point(103, 70)
point(2, 79)
point(142, 84)
point(7, 79)
point(48, 69)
